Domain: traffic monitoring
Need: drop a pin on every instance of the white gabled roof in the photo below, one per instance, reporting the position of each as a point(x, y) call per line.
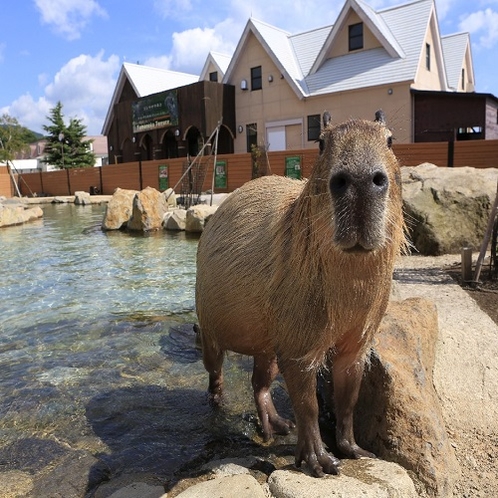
point(454, 49)
point(145, 80)
point(220, 62)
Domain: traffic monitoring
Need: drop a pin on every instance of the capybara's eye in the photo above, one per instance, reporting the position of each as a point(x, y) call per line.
point(390, 141)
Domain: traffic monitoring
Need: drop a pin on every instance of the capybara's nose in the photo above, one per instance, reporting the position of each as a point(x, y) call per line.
point(373, 183)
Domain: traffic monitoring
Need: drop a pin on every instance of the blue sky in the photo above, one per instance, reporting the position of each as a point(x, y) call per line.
point(72, 50)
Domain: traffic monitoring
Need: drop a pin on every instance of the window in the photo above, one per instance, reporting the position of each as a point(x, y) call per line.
point(314, 127)
point(463, 79)
point(356, 36)
point(256, 78)
point(252, 136)
point(427, 57)
point(213, 76)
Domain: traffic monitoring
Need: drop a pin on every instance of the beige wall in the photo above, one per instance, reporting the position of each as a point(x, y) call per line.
point(430, 79)
point(341, 42)
point(278, 105)
point(469, 81)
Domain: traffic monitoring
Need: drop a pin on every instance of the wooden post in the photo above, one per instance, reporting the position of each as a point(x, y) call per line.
point(466, 264)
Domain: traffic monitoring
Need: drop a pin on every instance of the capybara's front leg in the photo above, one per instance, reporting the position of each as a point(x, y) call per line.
point(301, 384)
point(264, 373)
point(347, 372)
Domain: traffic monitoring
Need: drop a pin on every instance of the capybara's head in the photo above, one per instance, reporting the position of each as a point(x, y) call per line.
point(361, 175)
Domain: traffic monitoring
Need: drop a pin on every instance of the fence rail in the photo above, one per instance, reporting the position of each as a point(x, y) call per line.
point(140, 174)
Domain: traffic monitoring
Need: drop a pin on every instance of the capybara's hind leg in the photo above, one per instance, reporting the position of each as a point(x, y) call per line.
point(347, 372)
point(264, 372)
point(212, 358)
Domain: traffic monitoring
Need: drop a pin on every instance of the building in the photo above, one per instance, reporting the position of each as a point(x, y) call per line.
point(31, 161)
point(394, 59)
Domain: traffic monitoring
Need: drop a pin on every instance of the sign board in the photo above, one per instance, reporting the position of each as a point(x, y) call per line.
point(293, 167)
point(155, 111)
point(220, 174)
point(163, 177)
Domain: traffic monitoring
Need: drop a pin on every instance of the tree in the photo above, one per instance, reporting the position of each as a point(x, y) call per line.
point(66, 146)
point(14, 138)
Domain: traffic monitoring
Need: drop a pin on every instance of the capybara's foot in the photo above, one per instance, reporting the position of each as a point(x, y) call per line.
point(277, 425)
point(319, 462)
point(354, 451)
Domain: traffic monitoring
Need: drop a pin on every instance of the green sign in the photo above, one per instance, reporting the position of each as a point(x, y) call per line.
point(220, 174)
point(293, 167)
point(163, 177)
point(155, 111)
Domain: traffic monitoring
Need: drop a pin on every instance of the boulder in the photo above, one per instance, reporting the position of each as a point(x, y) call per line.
point(447, 208)
point(175, 220)
point(240, 485)
point(198, 216)
point(18, 214)
point(149, 208)
point(82, 198)
point(170, 197)
point(398, 415)
point(119, 209)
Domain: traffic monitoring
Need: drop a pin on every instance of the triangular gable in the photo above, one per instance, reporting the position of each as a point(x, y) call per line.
point(457, 55)
point(278, 46)
point(374, 23)
point(217, 60)
point(432, 31)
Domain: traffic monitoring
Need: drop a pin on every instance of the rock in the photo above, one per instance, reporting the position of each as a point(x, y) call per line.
point(149, 208)
point(198, 216)
point(139, 489)
point(398, 415)
point(16, 484)
point(175, 220)
point(366, 477)
point(82, 198)
point(119, 209)
point(17, 214)
point(239, 485)
point(170, 198)
point(447, 208)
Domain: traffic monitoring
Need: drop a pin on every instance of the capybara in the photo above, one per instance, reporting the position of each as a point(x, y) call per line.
point(297, 274)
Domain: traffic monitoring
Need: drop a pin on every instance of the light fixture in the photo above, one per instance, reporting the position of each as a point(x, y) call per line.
point(177, 133)
point(243, 85)
point(390, 91)
point(270, 78)
point(240, 128)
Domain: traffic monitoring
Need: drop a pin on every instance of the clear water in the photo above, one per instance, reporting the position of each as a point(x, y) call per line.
point(97, 350)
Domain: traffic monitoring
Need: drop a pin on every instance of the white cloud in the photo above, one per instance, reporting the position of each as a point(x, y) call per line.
point(69, 17)
point(160, 61)
point(84, 86)
point(172, 8)
point(484, 24)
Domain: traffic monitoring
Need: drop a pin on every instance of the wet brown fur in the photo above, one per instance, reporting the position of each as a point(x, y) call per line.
point(275, 280)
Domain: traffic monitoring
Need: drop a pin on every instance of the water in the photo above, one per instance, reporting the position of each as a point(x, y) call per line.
point(98, 353)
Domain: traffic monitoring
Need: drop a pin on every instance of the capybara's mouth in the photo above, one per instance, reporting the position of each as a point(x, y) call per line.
point(357, 248)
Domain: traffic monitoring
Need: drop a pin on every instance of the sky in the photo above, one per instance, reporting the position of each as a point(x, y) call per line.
point(72, 50)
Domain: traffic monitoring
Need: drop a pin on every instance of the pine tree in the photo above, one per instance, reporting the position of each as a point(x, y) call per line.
point(66, 147)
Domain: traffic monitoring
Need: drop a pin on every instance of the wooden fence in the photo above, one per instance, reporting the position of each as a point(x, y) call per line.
point(138, 175)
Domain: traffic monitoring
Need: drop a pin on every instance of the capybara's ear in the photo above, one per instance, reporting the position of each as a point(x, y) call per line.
point(380, 117)
point(326, 119)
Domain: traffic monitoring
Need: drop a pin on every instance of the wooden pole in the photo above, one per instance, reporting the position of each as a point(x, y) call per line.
point(487, 236)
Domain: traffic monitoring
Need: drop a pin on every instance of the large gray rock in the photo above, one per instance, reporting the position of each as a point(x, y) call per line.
point(198, 216)
point(17, 214)
point(238, 485)
point(399, 415)
point(82, 198)
point(149, 208)
point(367, 478)
point(447, 208)
point(118, 210)
point(175, 220)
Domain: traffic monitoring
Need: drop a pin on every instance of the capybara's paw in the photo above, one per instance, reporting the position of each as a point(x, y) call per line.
point(319, 463)
point(354, 451)
point(278, 425)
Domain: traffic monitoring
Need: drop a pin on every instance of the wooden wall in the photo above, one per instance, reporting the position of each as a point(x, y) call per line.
point(138, 175)
point(6, 189)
